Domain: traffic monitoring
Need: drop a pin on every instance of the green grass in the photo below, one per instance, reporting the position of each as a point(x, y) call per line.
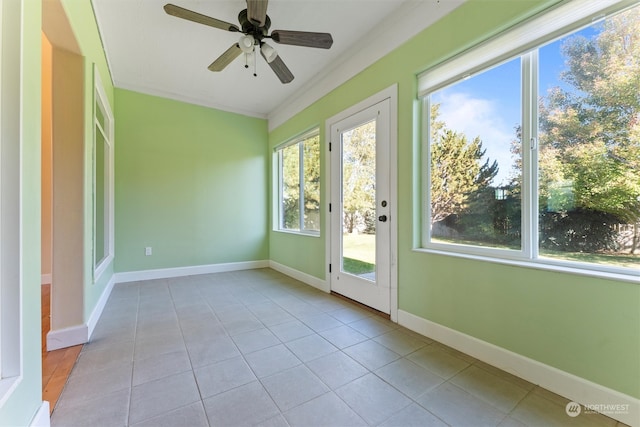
point(359, 253)
point(360, 247)
point(357, 267)
point(618, 260)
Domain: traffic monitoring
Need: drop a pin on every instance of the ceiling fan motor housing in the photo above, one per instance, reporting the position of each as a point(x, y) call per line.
point(250, 28)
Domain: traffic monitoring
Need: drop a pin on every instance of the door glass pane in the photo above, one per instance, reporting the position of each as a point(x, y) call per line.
point(359, 201)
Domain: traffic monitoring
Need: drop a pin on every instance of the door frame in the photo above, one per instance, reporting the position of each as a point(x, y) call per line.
point(390, 93)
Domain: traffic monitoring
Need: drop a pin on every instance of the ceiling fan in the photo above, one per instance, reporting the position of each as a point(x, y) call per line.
point(254, 26)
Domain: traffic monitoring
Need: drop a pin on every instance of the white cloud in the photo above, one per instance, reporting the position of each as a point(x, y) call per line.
point(480, 117)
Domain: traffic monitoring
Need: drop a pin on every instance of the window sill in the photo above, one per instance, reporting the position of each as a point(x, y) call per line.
point(7, 386)
point(299, 233)
point(540, 264)
point(100, 269)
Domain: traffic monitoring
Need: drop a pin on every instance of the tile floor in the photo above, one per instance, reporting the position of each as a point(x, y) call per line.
point(259, 348)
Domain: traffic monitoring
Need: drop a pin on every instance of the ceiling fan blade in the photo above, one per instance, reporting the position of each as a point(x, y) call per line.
point(303, 38)
point(226, 58)
point(278, 66)
point(189, 15)
point(257, 11)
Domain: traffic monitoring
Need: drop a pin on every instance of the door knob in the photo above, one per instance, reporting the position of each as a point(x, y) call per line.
point(382, 218)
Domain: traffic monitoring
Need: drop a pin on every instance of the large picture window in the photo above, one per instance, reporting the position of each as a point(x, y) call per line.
point(298, 163)
point(532, 150)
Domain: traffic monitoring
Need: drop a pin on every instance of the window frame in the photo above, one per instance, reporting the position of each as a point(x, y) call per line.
point(101, 102)
point(522, 41)
point(278, 163)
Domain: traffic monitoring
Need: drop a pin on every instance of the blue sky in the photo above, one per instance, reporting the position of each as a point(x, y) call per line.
point(489, 104)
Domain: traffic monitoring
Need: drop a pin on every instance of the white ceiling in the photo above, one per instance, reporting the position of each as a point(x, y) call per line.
point(154, 53)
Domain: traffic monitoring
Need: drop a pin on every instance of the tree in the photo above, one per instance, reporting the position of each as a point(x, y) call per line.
point(590, 129)
point(358, 174)
point(457, 170)
point(311, 155)
point(310, 190)
point(291, 187)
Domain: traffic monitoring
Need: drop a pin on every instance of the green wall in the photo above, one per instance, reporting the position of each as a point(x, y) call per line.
point(82, 21)
point(191, 182)
point(583, 325)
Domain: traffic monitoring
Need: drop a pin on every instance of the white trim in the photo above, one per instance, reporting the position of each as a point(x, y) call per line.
point(563, 383)
point(406, 22)
point(310, 280)
point(45, 279)
point(101, 101)
point(164, 273)
point(542, 264)
point(278, 163)
point(393, 203)
point(67, 337)
point(7, 387)
point(41, 419)
point(99, 307)
point(12, 127)
point(301, 137)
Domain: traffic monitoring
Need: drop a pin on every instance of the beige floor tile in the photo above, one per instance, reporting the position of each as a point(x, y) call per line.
point(491, 388)
point(373, 399)
point(408, 377)
point(166, 394)
point(326, 410)
point(256, 347)
point(456, 407)
point(438, 361)
point(371, 355)
point(293, 387)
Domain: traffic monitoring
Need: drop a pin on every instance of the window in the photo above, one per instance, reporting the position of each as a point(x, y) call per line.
point(102, 180)
point(532, 143)
point(298, 165)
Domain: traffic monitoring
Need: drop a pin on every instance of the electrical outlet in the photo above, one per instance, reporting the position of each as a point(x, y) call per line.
point(148, 251)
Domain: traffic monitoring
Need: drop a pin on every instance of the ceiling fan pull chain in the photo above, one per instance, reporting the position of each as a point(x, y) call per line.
point(255, 64)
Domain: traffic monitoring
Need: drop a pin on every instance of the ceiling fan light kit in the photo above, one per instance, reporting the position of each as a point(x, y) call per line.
point(246, 43)
point(268, 52)
point(254, 25)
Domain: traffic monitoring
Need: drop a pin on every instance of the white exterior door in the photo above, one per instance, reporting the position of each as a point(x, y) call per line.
point(360, 207)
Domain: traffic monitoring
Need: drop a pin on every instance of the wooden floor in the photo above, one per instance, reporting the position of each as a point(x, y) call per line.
point(57, 364)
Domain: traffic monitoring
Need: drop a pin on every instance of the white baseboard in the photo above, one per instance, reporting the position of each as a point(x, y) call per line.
point(41, 419)
point(67, 337)
point(563, 383)
point(321, 284)
point(45, 279)
point(165, 273)
point(97, 310)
